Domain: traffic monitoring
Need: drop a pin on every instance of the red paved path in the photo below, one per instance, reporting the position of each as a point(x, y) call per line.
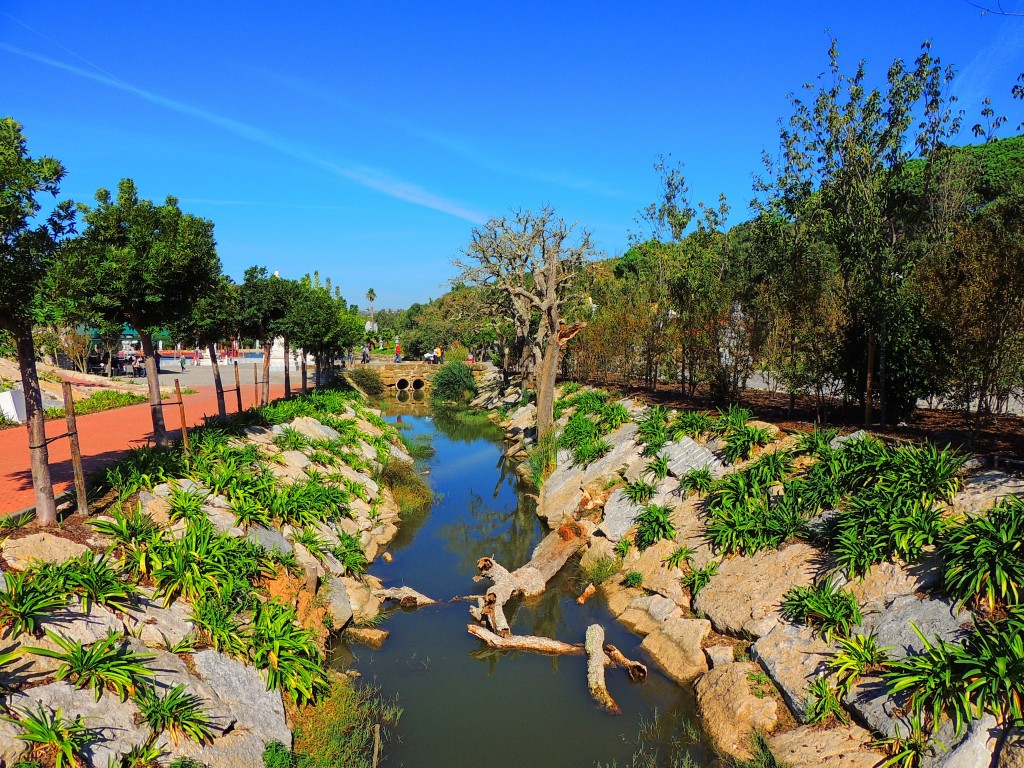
point(103, 437)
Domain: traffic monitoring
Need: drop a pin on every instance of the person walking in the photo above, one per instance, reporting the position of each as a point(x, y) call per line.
point(366, 354)
point(398, 352)
point(182, 360)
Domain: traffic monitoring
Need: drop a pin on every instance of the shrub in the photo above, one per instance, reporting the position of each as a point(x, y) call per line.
point(826, 606)
point(984, 557)
point(367, 379)
point(52, 736)
point(588, 453)
point(633, 579)
point(653, 525)
point(730, 420)
point(287, 653)
point(689, 424)
point(825, 702)
point(699, 480)
point(599, 570)
point(639, 492)
point(453, 383)
point(699, 578)
point(740, 441)
point(176, 711)
point(107, 664)
point(25, 602)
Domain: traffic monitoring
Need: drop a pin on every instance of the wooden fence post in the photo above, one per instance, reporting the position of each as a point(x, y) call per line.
point(181, 413)
point(76, 452)
point(256, 384)
point(238, 387)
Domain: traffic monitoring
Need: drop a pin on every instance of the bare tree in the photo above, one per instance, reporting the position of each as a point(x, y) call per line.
point(533, 261)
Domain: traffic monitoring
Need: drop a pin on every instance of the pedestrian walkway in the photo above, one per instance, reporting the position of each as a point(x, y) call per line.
point(104, 437)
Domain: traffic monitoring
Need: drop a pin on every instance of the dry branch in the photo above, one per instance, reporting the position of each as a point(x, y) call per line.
point(596, 662)
point(525, 642)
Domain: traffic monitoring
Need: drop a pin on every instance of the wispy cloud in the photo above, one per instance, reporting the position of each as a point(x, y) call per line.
point(452, 144)
point(363, 175)
point(980, 79)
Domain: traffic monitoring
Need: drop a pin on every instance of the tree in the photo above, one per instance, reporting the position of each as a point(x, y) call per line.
point(28, 248)
point(262, 306)
point(144, 265)
point(532, 262)
point(371, 296)
point(211, 319)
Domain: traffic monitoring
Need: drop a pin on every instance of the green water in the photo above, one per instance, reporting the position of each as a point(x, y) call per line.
point(465, 704)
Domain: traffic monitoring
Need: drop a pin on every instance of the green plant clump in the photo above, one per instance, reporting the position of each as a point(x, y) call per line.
point(653, 525)
point(826, 605)
point(453, 383)
point(367, 379)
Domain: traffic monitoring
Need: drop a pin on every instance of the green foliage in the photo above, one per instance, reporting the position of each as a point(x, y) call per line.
point(857, 655)
point(681, 554)
point(740, 441)
point(542, 459)
point(367, 379)
point(633, 579)
point(453, 383)
point(653, 525)
point(598, 570)
point(91, 578)
point(26, 601)
point(699, 578)
point(657, 467)
point(825, 606)
point(815, 442)
point(622, 547)
point(219, 624)
point(588, 453)
point(50, 733)
point(699, 480)
point(104, 400)
point(286, 653)
point(176, 711)
point(186, 505)
point(825, 702)
point(108, 664)
point(291, 440)
point(142, 469)
point(984, 556)
point(744, 517)
point(730, 420)
point(420, 447)
point(277, 755)
point(639, 492)
point(762, 755)
point(690, 424)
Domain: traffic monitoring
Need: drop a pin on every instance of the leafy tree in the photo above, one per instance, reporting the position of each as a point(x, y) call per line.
point(371, 296)
point(530, 261)
point(144, 265)
point(28, 248)
point(262, 307)
point(212, 319)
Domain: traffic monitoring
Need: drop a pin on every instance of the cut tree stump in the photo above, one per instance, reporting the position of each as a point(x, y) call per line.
point(531, 579)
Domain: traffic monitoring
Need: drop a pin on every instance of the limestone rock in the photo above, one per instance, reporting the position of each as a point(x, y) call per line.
point(365, 605)
point(259, 716)
point(794, 657)
point(1011, 755)
point(313, 429)
point(985, 489)
point(367, 428)
point(369, 636)
point(847, 746)
point(935, 617)
point(113, 721)
point(625, 453)
point(75, 624)
point(619, 515)
point(270, 539)
point(676, 647)
point(743, 597)
point(658, 577)
point(182, 485)
point(562, 492)
point(40, 547)
point(729, 711)
point(646, 614)
point(524, 417)
point(719, 655)
point(170, 671)
point(11, 747)
point(838, 442)
point(262, 435)
point(223, 521)
point(296, 459)
point(338, 605)
point(157, 508)
point(870, 702)
point(688, 455)
point(155, 625)
point(891, 579)
point(977, 747)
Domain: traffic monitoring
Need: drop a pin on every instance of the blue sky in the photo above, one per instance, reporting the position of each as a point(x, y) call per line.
point(366, 140)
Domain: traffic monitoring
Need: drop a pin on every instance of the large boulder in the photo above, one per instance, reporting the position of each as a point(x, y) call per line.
point(624, 453)
point(936, 618)
point(21, 552)
point(743, 597)
point(891, 579)
point(647, 614)
point(794, 657)
point(169, 671)
point(658, 577)
point(730, 711)
point(156, 625)
point(676, 647)
point(977, 747)
point(83, 626)
point(114, 723)
point(986, 489)
point(313, 429)
point(846, 746)
point(688, 455)
point(1011, 754)
point(259, 715)
point(619, 515)
point(270, 539)
point(11, 747)
point(562, 492)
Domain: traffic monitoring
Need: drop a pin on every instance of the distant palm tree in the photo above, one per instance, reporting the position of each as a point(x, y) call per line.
point(370, 296)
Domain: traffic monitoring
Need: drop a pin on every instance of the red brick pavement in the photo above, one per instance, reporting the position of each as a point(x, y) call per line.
point(104, 437)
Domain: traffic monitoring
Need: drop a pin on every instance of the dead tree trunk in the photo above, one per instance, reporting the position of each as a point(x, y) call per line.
point(222, 408)
point(597, 660)
point(529, 580)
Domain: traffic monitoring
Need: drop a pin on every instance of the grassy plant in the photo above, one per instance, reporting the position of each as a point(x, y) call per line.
point(681, 554)
point(815, 442)
point(142, 469)
point(94, 581)
point(287, 653)
point(639, 492)
point(219, 625)
point(730, 420)
point(653, 525)
point(186, 505)
point(699, 480)
point(588, 453)
point(657, 467)
point(139, 756)
point(633, 579)
point(419, 447)
point(127, 528)
point(248, 512)
point(453, 383)
point(410, 490)
point(826, 606)
point(177, 711)
point(622, 547)
point(25, 602)
point(906, 751)
point(106, 665)
point(291, 440)
point(984, 556)
point(857, 655)
point(367, 379)
point(350, 554)
point(542, 459)
point(580, 430)
point(825, 702)
point(598, 570)
point(690, 424)
point(52, 737)
point(103, 400)
point(770, 468)
point(699, 578)
point(15, 522)
point(744, 517)
point(762, 756)
point(740, 441)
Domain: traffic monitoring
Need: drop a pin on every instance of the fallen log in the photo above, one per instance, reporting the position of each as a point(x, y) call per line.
point(530, 643)
point(405, 596)
point(637, 672)
point(529, 580)
point(597, 660)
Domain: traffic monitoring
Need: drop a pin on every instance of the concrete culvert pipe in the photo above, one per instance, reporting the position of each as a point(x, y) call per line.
point(402, 384)
point(418, 384)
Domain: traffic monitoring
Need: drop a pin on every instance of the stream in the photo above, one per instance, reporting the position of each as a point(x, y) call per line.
point(466, 705)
